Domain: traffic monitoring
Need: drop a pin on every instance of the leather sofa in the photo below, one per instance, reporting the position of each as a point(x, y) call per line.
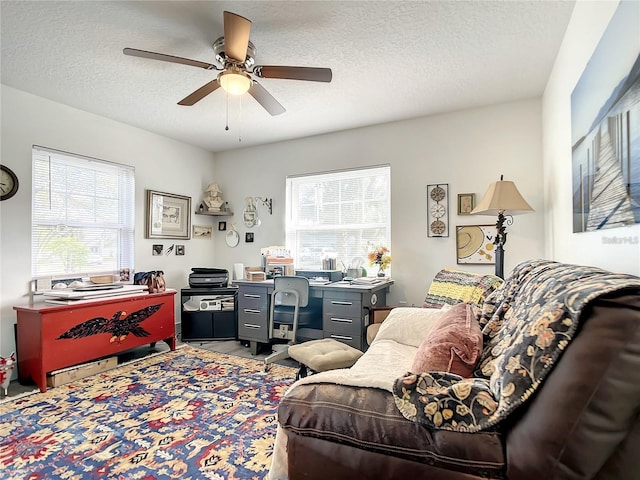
point(580, 421)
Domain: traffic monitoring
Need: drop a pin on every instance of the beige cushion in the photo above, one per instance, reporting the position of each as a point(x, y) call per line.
point(453, 345)
point(325, 354)
point(409, 325)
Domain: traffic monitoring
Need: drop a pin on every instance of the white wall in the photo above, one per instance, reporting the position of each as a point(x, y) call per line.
point(161, 164)
point(467, 149)
point(588, 23)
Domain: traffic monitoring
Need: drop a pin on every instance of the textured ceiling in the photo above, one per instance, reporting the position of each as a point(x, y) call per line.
point(390, 61)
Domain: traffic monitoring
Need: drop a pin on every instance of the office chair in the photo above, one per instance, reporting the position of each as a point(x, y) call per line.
point(290, 308)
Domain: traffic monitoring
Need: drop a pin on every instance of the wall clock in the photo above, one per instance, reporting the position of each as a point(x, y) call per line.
point(8, 183)
point(438, 210)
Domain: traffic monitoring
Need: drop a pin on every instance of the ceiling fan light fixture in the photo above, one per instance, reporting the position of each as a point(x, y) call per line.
point(235, 57)
point(234, 82)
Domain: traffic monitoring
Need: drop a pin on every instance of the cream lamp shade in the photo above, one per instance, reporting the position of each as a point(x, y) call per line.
point(502, 196)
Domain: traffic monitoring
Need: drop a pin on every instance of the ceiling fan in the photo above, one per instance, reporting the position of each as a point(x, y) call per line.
point(236, 55)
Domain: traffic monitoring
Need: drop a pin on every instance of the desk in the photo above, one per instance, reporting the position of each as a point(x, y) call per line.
point(51, 337)
point(345, 310)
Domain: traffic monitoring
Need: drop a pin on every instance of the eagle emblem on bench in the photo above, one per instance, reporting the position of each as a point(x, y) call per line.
point(120, 325)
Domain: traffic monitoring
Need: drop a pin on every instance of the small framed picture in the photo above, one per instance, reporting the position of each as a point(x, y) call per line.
point(466, 203)
point(248, 237)
point(157, 249)
point(202, 231)
point(168, 215)
point(179, 249)
point(125, 274)
point(222, 226)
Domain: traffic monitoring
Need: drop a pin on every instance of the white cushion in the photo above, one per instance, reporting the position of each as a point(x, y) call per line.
point(409, 325)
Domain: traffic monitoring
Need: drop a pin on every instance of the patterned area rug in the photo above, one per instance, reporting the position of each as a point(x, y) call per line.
point(188, 414)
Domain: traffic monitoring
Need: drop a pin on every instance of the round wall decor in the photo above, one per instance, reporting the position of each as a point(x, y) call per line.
point(232, 237)
point(8, 183)
point(438, 210)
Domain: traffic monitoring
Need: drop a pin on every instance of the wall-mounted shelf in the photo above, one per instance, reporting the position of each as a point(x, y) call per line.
point(225, 213)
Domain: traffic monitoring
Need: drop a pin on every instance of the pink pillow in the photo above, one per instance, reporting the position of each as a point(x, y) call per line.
point(454, 344)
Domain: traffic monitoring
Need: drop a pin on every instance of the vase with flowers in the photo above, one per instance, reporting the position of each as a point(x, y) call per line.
point(380, 256)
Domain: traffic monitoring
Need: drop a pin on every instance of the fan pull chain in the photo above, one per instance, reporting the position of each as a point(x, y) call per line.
point(226, 127)
point(240, 120)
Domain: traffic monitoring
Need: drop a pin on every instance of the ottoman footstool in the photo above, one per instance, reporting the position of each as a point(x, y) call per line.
point(322, 355)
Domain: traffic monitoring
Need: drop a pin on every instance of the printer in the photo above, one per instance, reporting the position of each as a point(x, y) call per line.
point(208, 278)
point(209, 306)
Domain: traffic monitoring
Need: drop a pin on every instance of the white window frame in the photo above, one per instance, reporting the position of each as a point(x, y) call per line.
point(83, 199)
point(310, 242)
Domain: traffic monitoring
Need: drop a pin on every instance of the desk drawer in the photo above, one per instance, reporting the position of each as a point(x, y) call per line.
point(253, 298)
point(353, 340)
point(342, 325)
point(342, 318)
point(344, 295)
point(253, 313)
point(345, 308)
point(253, 326)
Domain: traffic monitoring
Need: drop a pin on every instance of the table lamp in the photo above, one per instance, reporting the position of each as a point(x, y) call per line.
point(502, 196)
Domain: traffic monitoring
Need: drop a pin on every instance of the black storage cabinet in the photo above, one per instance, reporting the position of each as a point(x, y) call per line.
point(218, 323)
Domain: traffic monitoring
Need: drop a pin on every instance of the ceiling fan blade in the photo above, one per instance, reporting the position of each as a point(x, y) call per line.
point(265, 99)
point(200, 93)
point(134, 52)
point(236, 36)
point(313, 74)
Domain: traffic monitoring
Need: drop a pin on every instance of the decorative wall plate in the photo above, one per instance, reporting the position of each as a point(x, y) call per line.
point(232, 237)
point(438, 210)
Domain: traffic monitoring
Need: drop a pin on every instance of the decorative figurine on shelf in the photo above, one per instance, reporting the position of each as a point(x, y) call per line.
point(380, 256)
point(6, 367)
point(213, 198)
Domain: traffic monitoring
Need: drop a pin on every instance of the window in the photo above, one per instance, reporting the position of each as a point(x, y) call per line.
point(82, 219)
point(338, 215)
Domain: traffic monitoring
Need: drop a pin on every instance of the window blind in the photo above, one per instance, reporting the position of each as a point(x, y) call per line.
point(340, 215)
point(83, 213)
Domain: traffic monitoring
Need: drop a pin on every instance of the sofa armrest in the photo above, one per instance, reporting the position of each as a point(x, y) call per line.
point(377, 315)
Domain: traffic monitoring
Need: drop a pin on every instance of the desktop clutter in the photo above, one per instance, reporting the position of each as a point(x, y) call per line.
point(280, 305)
point(78, 290)
point(277, 261)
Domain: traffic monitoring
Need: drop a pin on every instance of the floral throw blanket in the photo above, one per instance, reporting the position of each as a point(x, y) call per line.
point(527, 324)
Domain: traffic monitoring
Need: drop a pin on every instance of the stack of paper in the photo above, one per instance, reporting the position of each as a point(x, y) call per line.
point(367, 280)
